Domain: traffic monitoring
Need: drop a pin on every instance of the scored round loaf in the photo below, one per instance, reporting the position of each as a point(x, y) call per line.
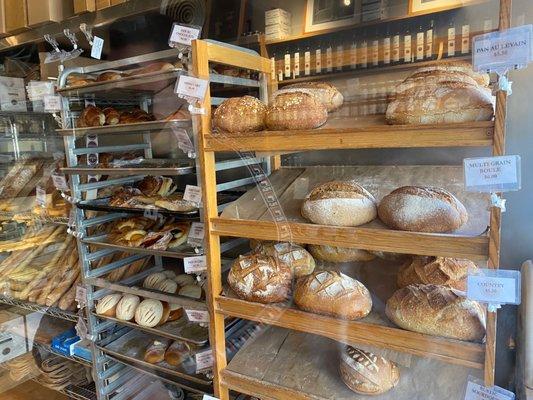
point(437, 310)
point(107, 305)
point(433, 78)
point(332, 293)
point(339, 203)
point(422, 209)
point(446, 271)
point(184, 279)
point(295, 256)
point(260, 278)
point(151, 313)
point(325, 92)
point(240, 114)
point(464, 67)
point(339, 254)
point(192, 291)
point(153, 280)
point(367, 373)
point(126, 307)
point(167, 286)
point(295, 110)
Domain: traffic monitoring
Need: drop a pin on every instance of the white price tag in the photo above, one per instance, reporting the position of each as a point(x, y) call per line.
point(196, 234)
point(204, 360)
point(52, 103)
point(197, 316)
point(207, 397)
point(98, 45)
point(492, 174)
point(38, 89)
point(40, 196)
point(191, 88)
point(494, 287)
point(193, 194)
point(183, 35)
point(81, 296)
point(503, 50)
point(194, 264)
point(476, 391)
point(184, 141)
point(60, 182)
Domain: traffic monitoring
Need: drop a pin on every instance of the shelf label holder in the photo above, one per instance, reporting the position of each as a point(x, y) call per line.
point(495, 287)
point(475, 390)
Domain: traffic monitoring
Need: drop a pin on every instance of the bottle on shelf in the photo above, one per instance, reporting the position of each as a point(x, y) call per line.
point(296, 63)
point(329, 57)
point(318, 59)
point(387, 47)
point(375, 49)
point(353, 52)
point(407, 47)
point(287, 64)
point(465, 39)
point(420, 44)
point(307, 60)
point(450, 51)
point(429, 41)
point(280, 68)
point(339, 55)
point(364, 52)
point(395, 52)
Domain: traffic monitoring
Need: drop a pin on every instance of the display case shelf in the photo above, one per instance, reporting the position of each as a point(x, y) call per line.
point(148, 167)
point(49, 349)
point(122, 129)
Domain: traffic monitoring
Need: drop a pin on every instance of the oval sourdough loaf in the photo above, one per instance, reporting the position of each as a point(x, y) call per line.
point(446, 271)
point(296, 257)
point(339, 254)
point(295, 110)
point(151, 313)
point(367, 373)
point(333, 293)
point(154, 280)
point(325, 92)
point(422, 209)
point(126, 307)
point(339, 203)
point(107, 305)
point(260, 278)
point(433, 79)
point(437, 310)
point(481, 79)
point(240, 114)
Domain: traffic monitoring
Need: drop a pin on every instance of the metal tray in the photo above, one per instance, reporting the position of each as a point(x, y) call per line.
point(148, 166)
point(122, 129)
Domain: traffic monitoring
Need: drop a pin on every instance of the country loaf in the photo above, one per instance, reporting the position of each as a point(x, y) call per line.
point(240, 114)
point(325, 92)
point(296, 257)
point(296, 110)
point(339, 254)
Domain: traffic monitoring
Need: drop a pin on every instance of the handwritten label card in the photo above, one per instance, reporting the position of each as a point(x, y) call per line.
point(60, 182)
point(40, 196)
point(183, 35)
point(492, 174)
point(193, 194)
point(197, 316)
point(191, 88)
point(204, 360)
point(52, 103)
point(196, 234)
point(98, 45)
point(494, 286)
point(194, 264)
point(476, 391)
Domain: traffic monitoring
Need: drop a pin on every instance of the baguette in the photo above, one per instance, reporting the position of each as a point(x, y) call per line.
point(67, 281)
point(67, 301)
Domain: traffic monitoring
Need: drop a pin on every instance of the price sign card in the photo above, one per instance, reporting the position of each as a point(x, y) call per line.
point(60, 182)
point(204, 360)
point(81, 296)
point(503, 50)
point(192, 193)
point(196, 234)
point(197, 315)
point(492, 174)
point(191, 88)
point(52, 103)
point(96, 49)
point(40, 196)
point(477, 391)
point(494, 286)
point(194, 264)
point(184, 141)
point(183, 34)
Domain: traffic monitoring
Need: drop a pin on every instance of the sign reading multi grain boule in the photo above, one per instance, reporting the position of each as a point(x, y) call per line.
point(503, 50)
point(492, 174)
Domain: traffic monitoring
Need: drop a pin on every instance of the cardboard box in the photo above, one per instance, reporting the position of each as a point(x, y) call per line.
point(43, 11)
point(81, 6)
point(277, 12)
point(277, 20)
point(274, 29)
point(16, 15)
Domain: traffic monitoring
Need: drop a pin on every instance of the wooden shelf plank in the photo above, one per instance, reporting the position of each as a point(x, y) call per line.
point(355, 134)
point(353, 332)
point(446, 245)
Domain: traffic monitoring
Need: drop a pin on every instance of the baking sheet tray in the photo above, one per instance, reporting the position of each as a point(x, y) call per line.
point(180, 252)
point(122, 129)
point(147, 166)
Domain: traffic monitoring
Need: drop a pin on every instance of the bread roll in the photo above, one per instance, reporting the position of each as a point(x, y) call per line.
point(153, 280)
point(366, 373)
point(260, 278)
point(295, 256)
point(339, 203)
point(333, 293)
point(240, 114)
point(339, 254)
point(151, 313)
point(451, 272)
point(184, 279)
point(168, 286)
point(422, 209)
point(325, 92)
point(155, 352)
point(107, 305)
point(112, 116)
point(192, 291)
point(436, 310)
point(126, 307)
point(295, 110)
point(177, 353)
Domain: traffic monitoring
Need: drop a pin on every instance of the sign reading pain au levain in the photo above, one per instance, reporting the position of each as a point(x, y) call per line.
point(503, 50)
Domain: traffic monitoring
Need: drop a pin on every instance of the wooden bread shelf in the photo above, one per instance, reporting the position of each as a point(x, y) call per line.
point(358, 133)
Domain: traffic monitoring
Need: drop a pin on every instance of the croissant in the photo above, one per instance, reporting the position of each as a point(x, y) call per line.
point(91, 116)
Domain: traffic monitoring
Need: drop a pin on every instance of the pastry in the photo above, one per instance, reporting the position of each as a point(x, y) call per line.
point(240, 114)
point(192, 291)
point(177, 353)
point(112, 116)
point(184, 279)
point(176, 312)
point(168, 286)
point(91, 116)
point(295, 110)
point(108, 76)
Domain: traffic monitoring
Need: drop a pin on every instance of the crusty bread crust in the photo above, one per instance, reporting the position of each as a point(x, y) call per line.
point(296, 110)
point(339, 254)
point(240, 114)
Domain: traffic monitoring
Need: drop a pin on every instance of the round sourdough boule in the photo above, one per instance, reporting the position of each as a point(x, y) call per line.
point(260, 278)
point(339, 203)
point(325, 92)
point(151, 313)
point(339, 254)
point(422, 209)
point(126, 307)
point(332, 293)
point(295, 110)
point(437, 310)
point(240, 114)
point(446, 271)
point(184, 279)
point(107, 305)
point(295, 256)
point(152, 281)
point(367, 373)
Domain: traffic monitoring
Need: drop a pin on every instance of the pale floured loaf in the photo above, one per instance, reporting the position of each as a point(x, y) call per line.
point(240, 114)
point(296, 257)
point(339, 254)
point(153, 280)
point(151, 313)
point(433, 79)
point(325, 92)
point(126, 307)
point(422, 209)
point(339, 203)
point(107, 305)
point(260, 278)
point(367, 373)
point(446, 271)
point(295, 110)
point(464, 67)
point(333, 293)
point(437, 310)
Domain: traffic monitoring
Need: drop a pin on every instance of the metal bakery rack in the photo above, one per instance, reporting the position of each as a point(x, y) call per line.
point(296, 358)
point(113, 365)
